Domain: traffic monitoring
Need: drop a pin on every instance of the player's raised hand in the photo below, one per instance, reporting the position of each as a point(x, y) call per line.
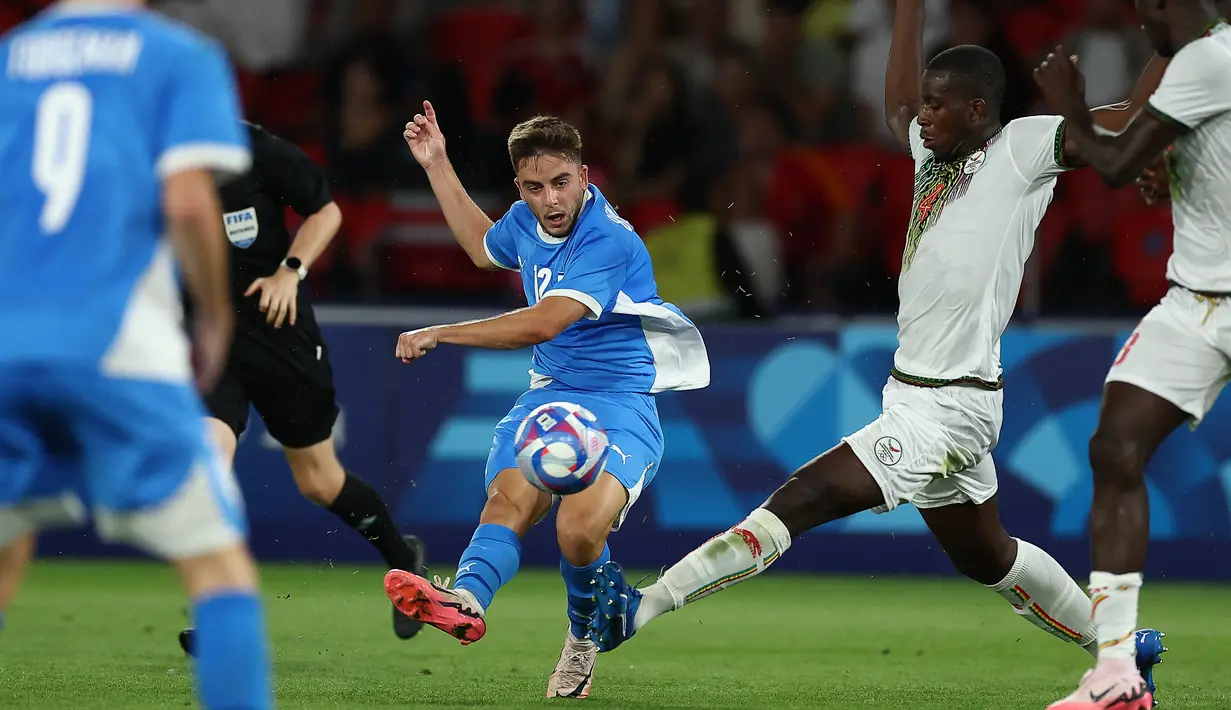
point(1061, 82)
point(423, 136)
point(414, 344)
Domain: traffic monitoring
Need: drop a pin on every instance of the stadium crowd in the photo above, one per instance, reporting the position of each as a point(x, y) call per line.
point(741, 137)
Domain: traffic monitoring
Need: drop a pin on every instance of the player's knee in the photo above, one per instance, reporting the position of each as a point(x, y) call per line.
point(581, 535)
point(318, 473)
point(229, 569)
point(1116, 459)
point(984, 561)
point(515, 512)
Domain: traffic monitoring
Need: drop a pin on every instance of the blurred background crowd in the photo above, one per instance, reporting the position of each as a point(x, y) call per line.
point(743, 138)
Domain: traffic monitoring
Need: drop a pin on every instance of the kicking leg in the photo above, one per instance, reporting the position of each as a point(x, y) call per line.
point(831, 486)
point(488, 563)
point(1037, 587)
point(583, 524)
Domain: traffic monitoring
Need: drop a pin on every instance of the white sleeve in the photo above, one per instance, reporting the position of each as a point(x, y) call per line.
point(1036, 145)
point(915, 141)
point(1196, 85)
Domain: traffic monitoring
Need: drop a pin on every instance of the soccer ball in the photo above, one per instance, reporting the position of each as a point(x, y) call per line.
point(561, 448)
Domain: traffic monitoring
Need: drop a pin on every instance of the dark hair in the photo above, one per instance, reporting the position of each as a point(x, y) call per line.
point(544, 135)
point(975, 71)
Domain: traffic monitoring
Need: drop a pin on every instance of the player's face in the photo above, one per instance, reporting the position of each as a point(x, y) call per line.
point(1154, 22)
point(948, 120)
point(555, 190)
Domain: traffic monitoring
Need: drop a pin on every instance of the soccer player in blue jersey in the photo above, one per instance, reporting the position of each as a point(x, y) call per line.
point(112, 123)
point(602, 339)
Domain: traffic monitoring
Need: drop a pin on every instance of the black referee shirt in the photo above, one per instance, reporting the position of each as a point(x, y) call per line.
point(254, 205)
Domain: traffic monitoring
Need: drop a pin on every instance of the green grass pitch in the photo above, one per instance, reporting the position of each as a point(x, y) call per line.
point(102, 635)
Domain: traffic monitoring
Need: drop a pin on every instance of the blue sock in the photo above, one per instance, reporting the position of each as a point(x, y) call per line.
point(579, 582)
point(232, 652)
point(1, 621)
point(489, 562)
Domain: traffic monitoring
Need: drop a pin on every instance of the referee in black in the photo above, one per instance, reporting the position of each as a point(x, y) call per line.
point(279, 363)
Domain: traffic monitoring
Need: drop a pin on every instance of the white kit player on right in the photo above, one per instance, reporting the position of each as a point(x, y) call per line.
point(1173, 366)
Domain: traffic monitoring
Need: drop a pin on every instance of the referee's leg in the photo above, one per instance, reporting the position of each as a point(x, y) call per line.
point(294, 394)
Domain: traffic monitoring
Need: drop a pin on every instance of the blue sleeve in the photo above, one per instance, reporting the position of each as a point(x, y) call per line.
point(594, 273)
point(500, 242)
point(201, 120)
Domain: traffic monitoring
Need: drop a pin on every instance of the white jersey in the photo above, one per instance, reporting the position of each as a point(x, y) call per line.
point(971, 231)
point(1195, 95)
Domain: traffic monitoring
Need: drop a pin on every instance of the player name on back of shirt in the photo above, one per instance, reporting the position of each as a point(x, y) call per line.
point(73, 52)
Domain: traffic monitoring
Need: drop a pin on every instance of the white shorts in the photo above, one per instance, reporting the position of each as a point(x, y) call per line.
point(932, 446)
point(1179, 352)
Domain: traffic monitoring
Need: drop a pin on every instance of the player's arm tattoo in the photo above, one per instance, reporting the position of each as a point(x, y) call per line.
point(904, 70)
point(1119, 159)
point(518, 329)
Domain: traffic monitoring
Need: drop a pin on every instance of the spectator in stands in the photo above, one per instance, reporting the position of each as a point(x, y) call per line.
point(365, 153)
point(1111, 52)
point(802, 72)
point(654, 142)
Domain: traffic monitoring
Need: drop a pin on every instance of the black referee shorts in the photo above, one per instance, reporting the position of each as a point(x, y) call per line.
point(286, 375)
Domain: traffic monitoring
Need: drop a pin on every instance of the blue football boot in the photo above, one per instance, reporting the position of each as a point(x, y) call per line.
point(1150, 650)
point(618, 602)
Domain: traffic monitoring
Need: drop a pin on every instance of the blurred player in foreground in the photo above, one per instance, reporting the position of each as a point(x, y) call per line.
point(981, 190)
point(1173, 366)
point(111, 121)
point(279, 361)
point(602, 339)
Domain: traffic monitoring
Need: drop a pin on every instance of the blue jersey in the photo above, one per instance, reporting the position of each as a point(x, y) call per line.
point(631, 340)
point(97, 107)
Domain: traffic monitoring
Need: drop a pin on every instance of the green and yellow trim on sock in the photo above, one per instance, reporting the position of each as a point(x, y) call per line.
point(1043, 616)
point(731, 578)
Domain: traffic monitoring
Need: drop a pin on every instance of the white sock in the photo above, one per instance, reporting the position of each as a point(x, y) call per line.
point(1114, 597)
point(1042, 593)
point(742, 552)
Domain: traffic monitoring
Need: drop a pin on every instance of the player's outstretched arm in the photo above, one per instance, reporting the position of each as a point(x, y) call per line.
point(518, 329)
point(1118, 159)
point(905, 68)
point(468, 223)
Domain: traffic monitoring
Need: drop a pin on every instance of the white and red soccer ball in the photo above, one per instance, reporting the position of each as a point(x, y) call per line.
point(561, 448)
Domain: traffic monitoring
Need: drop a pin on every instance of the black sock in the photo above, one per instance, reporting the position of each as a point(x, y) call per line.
point(360, 506)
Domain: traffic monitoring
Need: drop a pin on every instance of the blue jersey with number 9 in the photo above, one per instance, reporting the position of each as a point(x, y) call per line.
point(630, 340)
point(97, 107)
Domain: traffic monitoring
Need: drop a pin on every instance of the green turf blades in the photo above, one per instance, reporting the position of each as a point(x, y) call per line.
point(779, 641)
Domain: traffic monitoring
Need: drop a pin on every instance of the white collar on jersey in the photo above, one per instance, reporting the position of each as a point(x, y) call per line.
point(93, 7)
point(557, 241)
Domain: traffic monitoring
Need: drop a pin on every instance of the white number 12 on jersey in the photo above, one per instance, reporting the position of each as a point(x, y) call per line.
point(61, 144)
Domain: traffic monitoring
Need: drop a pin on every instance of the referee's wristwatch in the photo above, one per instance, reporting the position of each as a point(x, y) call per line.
point(294, 264)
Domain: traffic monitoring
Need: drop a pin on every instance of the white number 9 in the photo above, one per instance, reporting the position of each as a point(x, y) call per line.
point(61, 145)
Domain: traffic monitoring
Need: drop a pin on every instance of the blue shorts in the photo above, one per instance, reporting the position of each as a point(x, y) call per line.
point(132, 452)
point(631, 421)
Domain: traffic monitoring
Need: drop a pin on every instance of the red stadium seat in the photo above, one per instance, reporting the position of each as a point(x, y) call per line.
point(1140, 247)
point(478, 38)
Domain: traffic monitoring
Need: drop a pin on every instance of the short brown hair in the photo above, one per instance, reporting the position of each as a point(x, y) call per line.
point(544, 135)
